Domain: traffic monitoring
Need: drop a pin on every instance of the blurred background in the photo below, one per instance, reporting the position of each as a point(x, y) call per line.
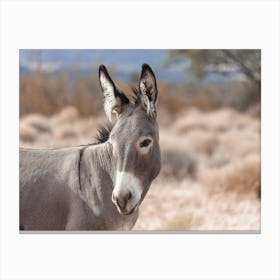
point(209, 124)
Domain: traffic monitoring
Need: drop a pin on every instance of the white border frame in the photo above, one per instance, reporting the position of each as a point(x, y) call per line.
point(147, 24)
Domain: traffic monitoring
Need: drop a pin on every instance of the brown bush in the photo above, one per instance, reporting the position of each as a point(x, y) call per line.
point(47, 94)
point(207, 98)
point(201, 141)
point(216, 121)
point(241, 177)
point(27, 133)
point(178, 164)
point(65, 131)
point(190, 120)
point(68, 114)
point(220, 157)
point(255, 110)
point(239, 143)
point(37, 121)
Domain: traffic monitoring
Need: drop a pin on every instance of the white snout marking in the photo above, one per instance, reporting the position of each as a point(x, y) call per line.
point(126, 181)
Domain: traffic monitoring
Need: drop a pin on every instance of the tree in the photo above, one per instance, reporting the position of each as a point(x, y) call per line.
point(204, 61)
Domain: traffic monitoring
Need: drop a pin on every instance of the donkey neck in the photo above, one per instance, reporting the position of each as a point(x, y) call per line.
point(97, 159)
point(97, 183)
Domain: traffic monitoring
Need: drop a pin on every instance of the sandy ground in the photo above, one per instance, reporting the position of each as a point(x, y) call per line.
point(187, 206)
point(210, 177)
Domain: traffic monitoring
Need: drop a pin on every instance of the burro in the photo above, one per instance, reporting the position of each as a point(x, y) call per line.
point(96, 186)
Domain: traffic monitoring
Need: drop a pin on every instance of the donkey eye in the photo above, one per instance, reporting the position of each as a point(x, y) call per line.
point(145, 143)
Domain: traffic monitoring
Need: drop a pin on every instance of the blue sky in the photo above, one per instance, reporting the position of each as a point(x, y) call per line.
point(122, 62)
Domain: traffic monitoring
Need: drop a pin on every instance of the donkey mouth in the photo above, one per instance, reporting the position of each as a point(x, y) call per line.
point(126, 213)
point(130, 212)
point(125, 207)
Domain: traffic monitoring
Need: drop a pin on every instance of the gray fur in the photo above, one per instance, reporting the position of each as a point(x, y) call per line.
point(71, 188)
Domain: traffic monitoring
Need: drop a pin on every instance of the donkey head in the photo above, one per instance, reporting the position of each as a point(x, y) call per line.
point(134, 138)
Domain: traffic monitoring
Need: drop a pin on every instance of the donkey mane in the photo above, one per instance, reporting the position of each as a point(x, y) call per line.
point(103, 133)
point(136, 95)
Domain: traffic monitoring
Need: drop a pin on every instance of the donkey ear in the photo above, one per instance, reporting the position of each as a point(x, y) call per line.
point(114, 99)
point(148, 89)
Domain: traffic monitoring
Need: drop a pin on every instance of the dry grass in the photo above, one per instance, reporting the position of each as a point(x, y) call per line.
point(48, 93)
point(186, 205)
point(68, 115)
point(37, 121)
point(240, 143)
point(216, 121)
point(203, 142)
point(255, 110)
point(180, 222)
point(66, 131)
point(210, 165)
point(27, 133)
point(178, 164)
point(242, 177)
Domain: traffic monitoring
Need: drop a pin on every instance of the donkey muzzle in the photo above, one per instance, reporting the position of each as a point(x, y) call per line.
point(127, 193)
point(121, 199)
point(124, 203)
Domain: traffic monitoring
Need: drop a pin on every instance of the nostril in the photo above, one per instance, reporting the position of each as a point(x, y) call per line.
point(129, 196)
point(121, 202)
point(121, 199)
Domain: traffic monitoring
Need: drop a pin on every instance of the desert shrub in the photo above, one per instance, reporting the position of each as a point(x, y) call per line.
point(255, 110)
point(68, 114)
point(202, 141)
point(206, 98)
point(172, 98)
point(219, 157)
point(245, 121)
point(189, 121)
point(216, 121)
point(221, 120)
point(47, 93)
point(241, 177)
point(65, 131)
point(37, 121)
point(239, 143)
point(41, 93)
point(27, 133)
point(178, 164)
